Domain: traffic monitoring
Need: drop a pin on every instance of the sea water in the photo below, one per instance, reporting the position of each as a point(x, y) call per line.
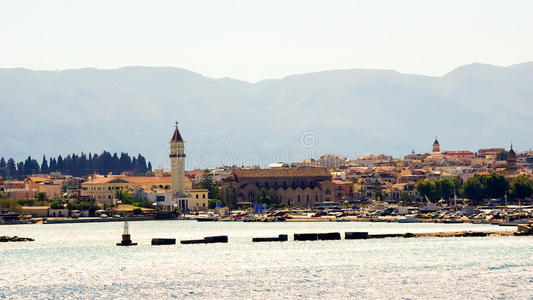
point(82, 261)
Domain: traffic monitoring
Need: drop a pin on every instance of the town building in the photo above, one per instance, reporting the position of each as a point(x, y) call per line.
point(28, 188)
point(489, 152)
point(343, 190)
point(296, 187)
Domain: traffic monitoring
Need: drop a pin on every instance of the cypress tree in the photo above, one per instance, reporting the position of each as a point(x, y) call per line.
point(60, 166)
point(11, 168)
point(20, 170)
point(44, 166)
point(53, 165)
point(3, 168)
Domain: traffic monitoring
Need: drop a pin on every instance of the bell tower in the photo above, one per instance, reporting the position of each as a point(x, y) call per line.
point(436, 145)
point(177, 161)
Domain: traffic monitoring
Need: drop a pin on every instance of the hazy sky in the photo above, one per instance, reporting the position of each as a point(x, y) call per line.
point(254, 40)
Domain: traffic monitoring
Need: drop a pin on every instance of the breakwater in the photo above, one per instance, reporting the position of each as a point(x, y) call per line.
point(333, 236)
point(4, 239)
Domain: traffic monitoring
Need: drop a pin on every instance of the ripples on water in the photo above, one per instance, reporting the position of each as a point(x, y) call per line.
point(82, 261)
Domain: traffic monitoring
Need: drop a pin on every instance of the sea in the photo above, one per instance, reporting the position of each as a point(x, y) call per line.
point(81, 261)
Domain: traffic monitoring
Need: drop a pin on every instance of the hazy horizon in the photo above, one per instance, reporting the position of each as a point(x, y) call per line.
point(266, 79)
point(253, 41)
point(344, 112)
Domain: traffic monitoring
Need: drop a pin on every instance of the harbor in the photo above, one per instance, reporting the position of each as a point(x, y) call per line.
point(299, 269)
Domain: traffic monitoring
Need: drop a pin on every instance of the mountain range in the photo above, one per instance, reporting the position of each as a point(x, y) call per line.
point(227, 121)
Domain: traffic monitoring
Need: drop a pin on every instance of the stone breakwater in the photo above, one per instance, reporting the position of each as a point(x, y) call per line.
point(15, 239)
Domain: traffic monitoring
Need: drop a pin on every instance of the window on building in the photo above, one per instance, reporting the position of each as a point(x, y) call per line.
point(196, 196)
point(203, 196)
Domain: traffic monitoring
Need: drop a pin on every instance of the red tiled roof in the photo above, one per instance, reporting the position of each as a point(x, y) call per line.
point(280, 172)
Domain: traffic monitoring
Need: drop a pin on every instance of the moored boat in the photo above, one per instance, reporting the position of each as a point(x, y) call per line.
point(408, 220)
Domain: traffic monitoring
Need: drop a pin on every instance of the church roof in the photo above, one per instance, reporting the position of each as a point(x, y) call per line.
point(176, 137)
point(280, 172)
point(436, 141)
point(512, 153)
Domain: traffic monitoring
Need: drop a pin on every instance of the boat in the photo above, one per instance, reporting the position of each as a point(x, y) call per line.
point(408, 220)
point(515, 223)
point(452, 221)
point(342, 220)
point(206, 219)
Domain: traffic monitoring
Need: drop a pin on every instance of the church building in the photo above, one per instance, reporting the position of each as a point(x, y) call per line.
point(294, 187)
point(180, 196)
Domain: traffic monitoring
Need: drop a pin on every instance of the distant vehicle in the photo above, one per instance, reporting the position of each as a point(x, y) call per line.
point(355, 207)
point(116, 216)
point(327, 205)
point(386, 212)
point(103, 216)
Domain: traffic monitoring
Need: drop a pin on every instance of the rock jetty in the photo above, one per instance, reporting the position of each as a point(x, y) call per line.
point(524, 229)
point(15, 239)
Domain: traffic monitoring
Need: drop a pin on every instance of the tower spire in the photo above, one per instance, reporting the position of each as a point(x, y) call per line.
point(176, 137)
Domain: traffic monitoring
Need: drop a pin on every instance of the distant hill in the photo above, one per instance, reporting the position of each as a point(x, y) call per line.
point(347, 112)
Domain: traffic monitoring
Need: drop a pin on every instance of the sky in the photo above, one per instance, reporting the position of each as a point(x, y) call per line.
point(255, 40)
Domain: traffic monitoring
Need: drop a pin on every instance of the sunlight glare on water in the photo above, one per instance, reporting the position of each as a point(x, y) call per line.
point(81, 261)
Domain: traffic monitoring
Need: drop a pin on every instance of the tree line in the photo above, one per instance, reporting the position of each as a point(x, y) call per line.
point(75, 165)
point(477, 188)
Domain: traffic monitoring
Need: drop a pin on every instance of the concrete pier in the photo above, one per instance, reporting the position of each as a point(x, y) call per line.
point(306, 237)
point(355, 235)
point(330, 236)
point(280, 238)
point(207, 240)
point(161, 241)
point(381, 236)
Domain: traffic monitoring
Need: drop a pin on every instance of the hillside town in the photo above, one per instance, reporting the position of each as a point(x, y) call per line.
point(445, 183)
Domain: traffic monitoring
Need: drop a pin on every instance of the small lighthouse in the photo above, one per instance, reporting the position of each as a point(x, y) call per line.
point(126, 238)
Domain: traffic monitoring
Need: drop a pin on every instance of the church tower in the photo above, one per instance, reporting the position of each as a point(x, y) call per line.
point(177, 161)
point(511, 159)
point(436, 145)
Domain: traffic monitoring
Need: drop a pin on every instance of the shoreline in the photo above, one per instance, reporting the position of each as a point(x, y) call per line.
point(294, 219)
